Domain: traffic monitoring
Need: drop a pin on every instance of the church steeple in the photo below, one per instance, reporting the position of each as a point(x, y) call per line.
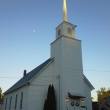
point(65, 29)
point(65, 17)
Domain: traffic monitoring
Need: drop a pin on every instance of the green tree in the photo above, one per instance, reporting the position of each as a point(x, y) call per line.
point(53, 98)
point(50, 101)
point(45, 105)
point(102, 94)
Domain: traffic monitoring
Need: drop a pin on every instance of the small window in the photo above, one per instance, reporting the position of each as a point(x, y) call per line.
point(10, 103)
point(21, 101)
point(6, 104)
point(70, 31)
point(16, 98)
point(59, 32)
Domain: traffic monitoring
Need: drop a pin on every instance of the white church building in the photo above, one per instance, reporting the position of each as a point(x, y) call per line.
point(63, 69)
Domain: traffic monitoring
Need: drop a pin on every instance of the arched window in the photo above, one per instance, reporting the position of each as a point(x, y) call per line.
point(16, 98)
point(6, 104)
point(69, 31)
point(59, 32)
point(21, 101)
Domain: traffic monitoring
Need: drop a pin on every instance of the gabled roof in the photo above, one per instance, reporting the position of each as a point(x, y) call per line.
point(25, 80)
point(88, 82)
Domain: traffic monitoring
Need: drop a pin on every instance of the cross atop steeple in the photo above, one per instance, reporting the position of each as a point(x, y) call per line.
point(65, 18)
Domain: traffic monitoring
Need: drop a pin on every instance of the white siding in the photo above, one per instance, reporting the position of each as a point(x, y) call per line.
point(39, 87)
point(18, 93)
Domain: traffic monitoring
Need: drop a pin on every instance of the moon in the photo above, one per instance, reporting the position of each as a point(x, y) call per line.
point(34, 30)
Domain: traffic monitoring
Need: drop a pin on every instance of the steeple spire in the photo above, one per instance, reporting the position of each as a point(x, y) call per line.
point(65, 18)
point(65, 29)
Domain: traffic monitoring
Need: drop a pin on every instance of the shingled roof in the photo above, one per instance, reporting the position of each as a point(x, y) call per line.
point(25, 80)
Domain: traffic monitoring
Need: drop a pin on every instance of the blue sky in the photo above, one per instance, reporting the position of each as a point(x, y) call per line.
point(27, 27)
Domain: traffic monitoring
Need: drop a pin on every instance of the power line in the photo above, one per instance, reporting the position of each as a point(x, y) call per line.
point(97, 70)
point(6, 77)
point(85, 70)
